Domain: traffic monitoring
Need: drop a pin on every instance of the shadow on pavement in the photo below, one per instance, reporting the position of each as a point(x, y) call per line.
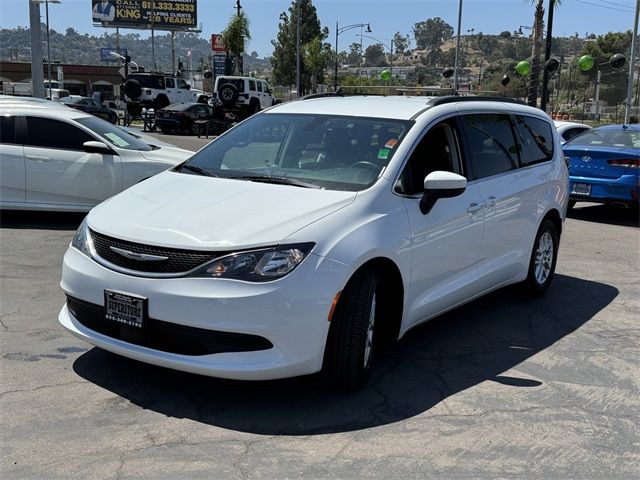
point(467, 346)
point(589, 212)
point(40, 220)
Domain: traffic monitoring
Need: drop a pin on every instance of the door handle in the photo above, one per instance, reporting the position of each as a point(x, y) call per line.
point(491, 202)
point(38, 158)
point(475, 207)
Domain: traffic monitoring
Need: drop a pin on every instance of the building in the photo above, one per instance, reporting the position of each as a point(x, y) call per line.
point(78, 79)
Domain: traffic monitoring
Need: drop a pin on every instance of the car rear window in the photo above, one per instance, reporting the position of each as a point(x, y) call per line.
point(617, 138)
point(178, 107)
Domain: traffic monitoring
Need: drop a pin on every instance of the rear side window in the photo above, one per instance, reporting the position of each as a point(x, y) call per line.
point(169, 83)
point(491, 144)
point(49, 133)
point(7, 130)
point(252, 85)
point(259, 86)
point(536, 140)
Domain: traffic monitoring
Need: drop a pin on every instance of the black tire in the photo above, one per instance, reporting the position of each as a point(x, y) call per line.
point(161, 101)
point(133, 89)
point(254, 107)
point(350, 344)
point(228, 94)
point(165, 130)
point(537, 283)
point(572, 203)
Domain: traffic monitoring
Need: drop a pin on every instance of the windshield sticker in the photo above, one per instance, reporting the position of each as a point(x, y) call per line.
point(383, 154)
point(391, 143)
point(116, 140)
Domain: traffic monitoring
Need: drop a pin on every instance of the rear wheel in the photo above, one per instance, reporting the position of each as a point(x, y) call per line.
point(350, 344)
point(542, 265)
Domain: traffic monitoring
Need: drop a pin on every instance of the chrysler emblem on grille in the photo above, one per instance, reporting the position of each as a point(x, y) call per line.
point(141, 257)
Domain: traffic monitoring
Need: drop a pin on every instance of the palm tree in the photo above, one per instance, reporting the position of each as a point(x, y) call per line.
point(234, 37)
point(536, 50)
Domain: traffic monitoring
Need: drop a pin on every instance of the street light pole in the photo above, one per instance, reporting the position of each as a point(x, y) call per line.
point(340, 30)
point(298, 77)
point(37, 78)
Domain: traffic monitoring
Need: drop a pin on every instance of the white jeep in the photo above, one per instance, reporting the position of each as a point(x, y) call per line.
point(247, 93)
point(154, 90)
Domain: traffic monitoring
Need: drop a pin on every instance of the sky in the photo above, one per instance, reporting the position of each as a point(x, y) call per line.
point(386, 17)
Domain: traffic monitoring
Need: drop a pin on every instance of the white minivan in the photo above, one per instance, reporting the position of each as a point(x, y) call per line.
point(311, 234)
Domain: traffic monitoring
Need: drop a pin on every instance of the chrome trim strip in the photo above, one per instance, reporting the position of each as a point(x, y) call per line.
point(141, 257)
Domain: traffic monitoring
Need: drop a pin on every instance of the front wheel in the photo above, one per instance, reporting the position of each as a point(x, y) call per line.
point(542, 265)
point(350, 344)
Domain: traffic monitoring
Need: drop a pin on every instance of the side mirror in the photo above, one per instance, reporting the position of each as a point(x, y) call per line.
point(97, 147)
point(268, 90)
point(438, 185)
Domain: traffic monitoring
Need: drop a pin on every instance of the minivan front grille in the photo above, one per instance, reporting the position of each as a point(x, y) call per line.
point(165, 336)
point(175, 260)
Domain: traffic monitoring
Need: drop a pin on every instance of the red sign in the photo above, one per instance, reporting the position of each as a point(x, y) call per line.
point(216, 43)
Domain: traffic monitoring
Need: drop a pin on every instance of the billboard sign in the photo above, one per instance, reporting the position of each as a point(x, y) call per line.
point(216, 43)
point(105, 54)
point(169, 15)
point(219, 65)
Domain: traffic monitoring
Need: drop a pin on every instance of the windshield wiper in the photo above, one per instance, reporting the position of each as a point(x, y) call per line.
point(277, 180)
point(198, 170)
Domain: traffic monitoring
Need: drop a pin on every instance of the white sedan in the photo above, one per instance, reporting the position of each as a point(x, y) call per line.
point(61, 159)
point(568, 130)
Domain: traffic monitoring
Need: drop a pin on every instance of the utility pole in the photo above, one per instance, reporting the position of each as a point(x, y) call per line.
point(173, 53)
point(455, 67)
point(153, 37)
point(627, 103)
point(298, 79)
point(37, 70)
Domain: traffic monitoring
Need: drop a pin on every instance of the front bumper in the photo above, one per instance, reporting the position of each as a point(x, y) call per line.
point(291, 313)
point(624, 188)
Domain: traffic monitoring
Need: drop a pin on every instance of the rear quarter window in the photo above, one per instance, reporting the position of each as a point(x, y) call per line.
point(536, 140)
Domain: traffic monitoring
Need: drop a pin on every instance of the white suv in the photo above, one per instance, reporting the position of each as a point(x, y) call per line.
point(310, 234)
point(248, 93)
point(154, 90)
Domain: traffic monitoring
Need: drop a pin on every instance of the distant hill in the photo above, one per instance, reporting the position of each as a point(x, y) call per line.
point(73, 47)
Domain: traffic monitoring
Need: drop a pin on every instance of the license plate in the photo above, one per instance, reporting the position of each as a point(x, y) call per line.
point(125, 308)
point(581, 189)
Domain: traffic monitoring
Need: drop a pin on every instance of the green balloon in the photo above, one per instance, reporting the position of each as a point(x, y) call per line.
point(385, 74)
point(586, 62)
point(523, 67)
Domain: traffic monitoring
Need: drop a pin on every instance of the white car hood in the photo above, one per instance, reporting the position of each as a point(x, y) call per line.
point(195, 212)
point(172, 155)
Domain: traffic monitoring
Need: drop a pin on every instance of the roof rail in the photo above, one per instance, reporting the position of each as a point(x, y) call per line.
point(339, 93)
point(453, 99)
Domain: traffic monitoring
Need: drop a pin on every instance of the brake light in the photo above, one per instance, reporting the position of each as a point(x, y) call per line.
point(625, 162)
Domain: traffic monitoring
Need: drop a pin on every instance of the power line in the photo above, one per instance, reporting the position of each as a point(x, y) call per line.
point(626, 5)
point(604, 6)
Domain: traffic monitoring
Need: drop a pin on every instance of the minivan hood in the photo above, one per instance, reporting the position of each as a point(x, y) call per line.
point(194, 212)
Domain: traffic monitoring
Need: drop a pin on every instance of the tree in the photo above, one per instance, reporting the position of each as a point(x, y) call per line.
point(400, 42)
point(355, 54)
point(233, 37)
point(431, 33)
point(505, 34)
point(316, 57)
point(284, 53)
point(374, 56)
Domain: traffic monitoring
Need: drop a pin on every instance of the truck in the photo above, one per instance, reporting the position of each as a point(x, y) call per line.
point(25, 89)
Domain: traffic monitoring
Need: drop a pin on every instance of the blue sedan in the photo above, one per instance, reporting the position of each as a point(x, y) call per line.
point(604, 165)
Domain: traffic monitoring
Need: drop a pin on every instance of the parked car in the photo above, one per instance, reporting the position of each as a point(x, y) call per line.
point(92, 106)
point(310, 235)
point(56, 158)
point(604, 165)
point(182, 117)
point(568, 130)
point(155, 90)
point(247, 94)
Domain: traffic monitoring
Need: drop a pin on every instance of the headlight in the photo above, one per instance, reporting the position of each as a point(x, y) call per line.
point(258, 265)
point(81, 241)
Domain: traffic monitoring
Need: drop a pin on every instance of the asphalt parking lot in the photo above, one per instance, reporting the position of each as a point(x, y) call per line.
point(504, 387)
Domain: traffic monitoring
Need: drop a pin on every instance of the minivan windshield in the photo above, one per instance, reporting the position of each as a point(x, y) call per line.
point(306, 150)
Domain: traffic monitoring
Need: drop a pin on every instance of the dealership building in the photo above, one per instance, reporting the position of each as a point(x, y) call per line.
point(78, 79)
